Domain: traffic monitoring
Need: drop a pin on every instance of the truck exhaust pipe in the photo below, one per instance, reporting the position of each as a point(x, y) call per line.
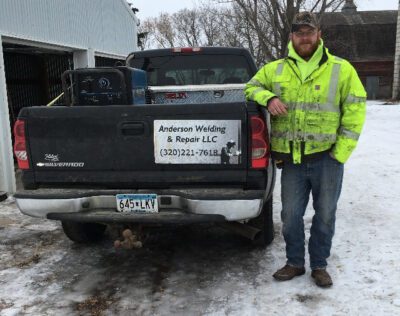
point(244, 230)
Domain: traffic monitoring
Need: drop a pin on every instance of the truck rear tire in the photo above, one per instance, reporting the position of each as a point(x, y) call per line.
point(265, 222)
point(3, 196)
point(83, 233)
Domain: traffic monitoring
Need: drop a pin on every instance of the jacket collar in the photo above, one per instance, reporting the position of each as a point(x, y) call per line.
point(326, 56)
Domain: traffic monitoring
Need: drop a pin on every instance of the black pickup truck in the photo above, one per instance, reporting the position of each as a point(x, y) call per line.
point(195, 153)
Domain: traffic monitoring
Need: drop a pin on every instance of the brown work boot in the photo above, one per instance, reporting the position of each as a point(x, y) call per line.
point(322, 278)
point(288, 272)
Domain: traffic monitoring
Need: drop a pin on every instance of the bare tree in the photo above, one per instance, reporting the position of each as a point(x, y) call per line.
point(145, 34)
point(165, 33)
point(262, 26)
point(187, 25)
point(194, 27)
point(209, 21)
point(270, 20)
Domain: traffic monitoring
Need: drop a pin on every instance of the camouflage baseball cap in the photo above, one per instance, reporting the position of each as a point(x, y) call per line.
point(304, 18)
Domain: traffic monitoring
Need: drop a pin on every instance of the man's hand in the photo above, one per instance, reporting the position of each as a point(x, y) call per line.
point(276, 107)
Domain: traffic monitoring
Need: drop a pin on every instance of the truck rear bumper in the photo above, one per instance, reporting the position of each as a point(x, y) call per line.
point(231, 204)
point(113, 217)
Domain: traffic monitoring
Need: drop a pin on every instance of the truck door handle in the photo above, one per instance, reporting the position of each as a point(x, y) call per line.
point(132, 129)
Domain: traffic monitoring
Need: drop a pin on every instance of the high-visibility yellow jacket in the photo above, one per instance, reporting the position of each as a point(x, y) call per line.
point(326, 111)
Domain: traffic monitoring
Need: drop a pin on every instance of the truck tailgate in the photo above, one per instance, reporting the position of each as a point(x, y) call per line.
point(129, 145)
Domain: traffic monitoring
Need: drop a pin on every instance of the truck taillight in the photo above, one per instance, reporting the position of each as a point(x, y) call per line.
point(186, 49)
point(259, 143)
point(20, 151)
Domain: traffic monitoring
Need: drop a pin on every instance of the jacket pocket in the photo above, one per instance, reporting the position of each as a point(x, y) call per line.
point(323, 122)
point(280, 86)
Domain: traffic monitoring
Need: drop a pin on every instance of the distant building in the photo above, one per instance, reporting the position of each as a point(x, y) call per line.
point(41, 39)
point(368, 40)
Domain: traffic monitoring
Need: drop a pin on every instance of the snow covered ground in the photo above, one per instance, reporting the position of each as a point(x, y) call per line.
point(194, 272)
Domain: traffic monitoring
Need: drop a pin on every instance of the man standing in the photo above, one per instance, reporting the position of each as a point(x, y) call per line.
point(226, 152)
point(318, 106)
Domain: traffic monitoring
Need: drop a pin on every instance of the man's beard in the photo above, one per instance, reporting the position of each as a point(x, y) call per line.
point(306, 49)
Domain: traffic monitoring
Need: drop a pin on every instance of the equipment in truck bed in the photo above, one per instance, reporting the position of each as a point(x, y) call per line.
point(104, 86)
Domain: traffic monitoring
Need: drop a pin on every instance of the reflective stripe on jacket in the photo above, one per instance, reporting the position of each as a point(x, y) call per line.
point(325, 112)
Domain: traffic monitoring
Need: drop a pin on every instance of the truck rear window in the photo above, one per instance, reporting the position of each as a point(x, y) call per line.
point(194, 69)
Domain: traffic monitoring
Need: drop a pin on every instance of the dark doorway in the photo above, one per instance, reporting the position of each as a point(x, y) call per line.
point(109, 62)
point(33, 76)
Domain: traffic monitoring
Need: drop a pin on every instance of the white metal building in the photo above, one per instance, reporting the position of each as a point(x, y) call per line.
point(85, 29)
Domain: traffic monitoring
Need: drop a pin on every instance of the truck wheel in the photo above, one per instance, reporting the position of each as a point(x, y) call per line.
point(265, 222)
point(83, 233)
point(3, 196)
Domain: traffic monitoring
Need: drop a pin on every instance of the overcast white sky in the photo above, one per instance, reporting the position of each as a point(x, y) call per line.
point(152, 8)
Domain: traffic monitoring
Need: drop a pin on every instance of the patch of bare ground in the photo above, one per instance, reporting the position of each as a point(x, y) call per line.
point(5, 305)
point(95, 305)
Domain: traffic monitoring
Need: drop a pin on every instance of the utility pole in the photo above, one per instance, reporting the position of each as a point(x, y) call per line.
point(396, 75)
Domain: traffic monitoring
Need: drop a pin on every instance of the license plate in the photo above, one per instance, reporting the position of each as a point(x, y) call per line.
point(137, 203)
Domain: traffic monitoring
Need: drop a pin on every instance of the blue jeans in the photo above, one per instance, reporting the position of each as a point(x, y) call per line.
point(323, 178)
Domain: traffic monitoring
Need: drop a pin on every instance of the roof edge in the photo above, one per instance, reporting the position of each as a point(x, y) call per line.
point(130, 11)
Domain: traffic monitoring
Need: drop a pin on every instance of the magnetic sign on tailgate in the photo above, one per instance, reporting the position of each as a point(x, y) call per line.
point(197, 141)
